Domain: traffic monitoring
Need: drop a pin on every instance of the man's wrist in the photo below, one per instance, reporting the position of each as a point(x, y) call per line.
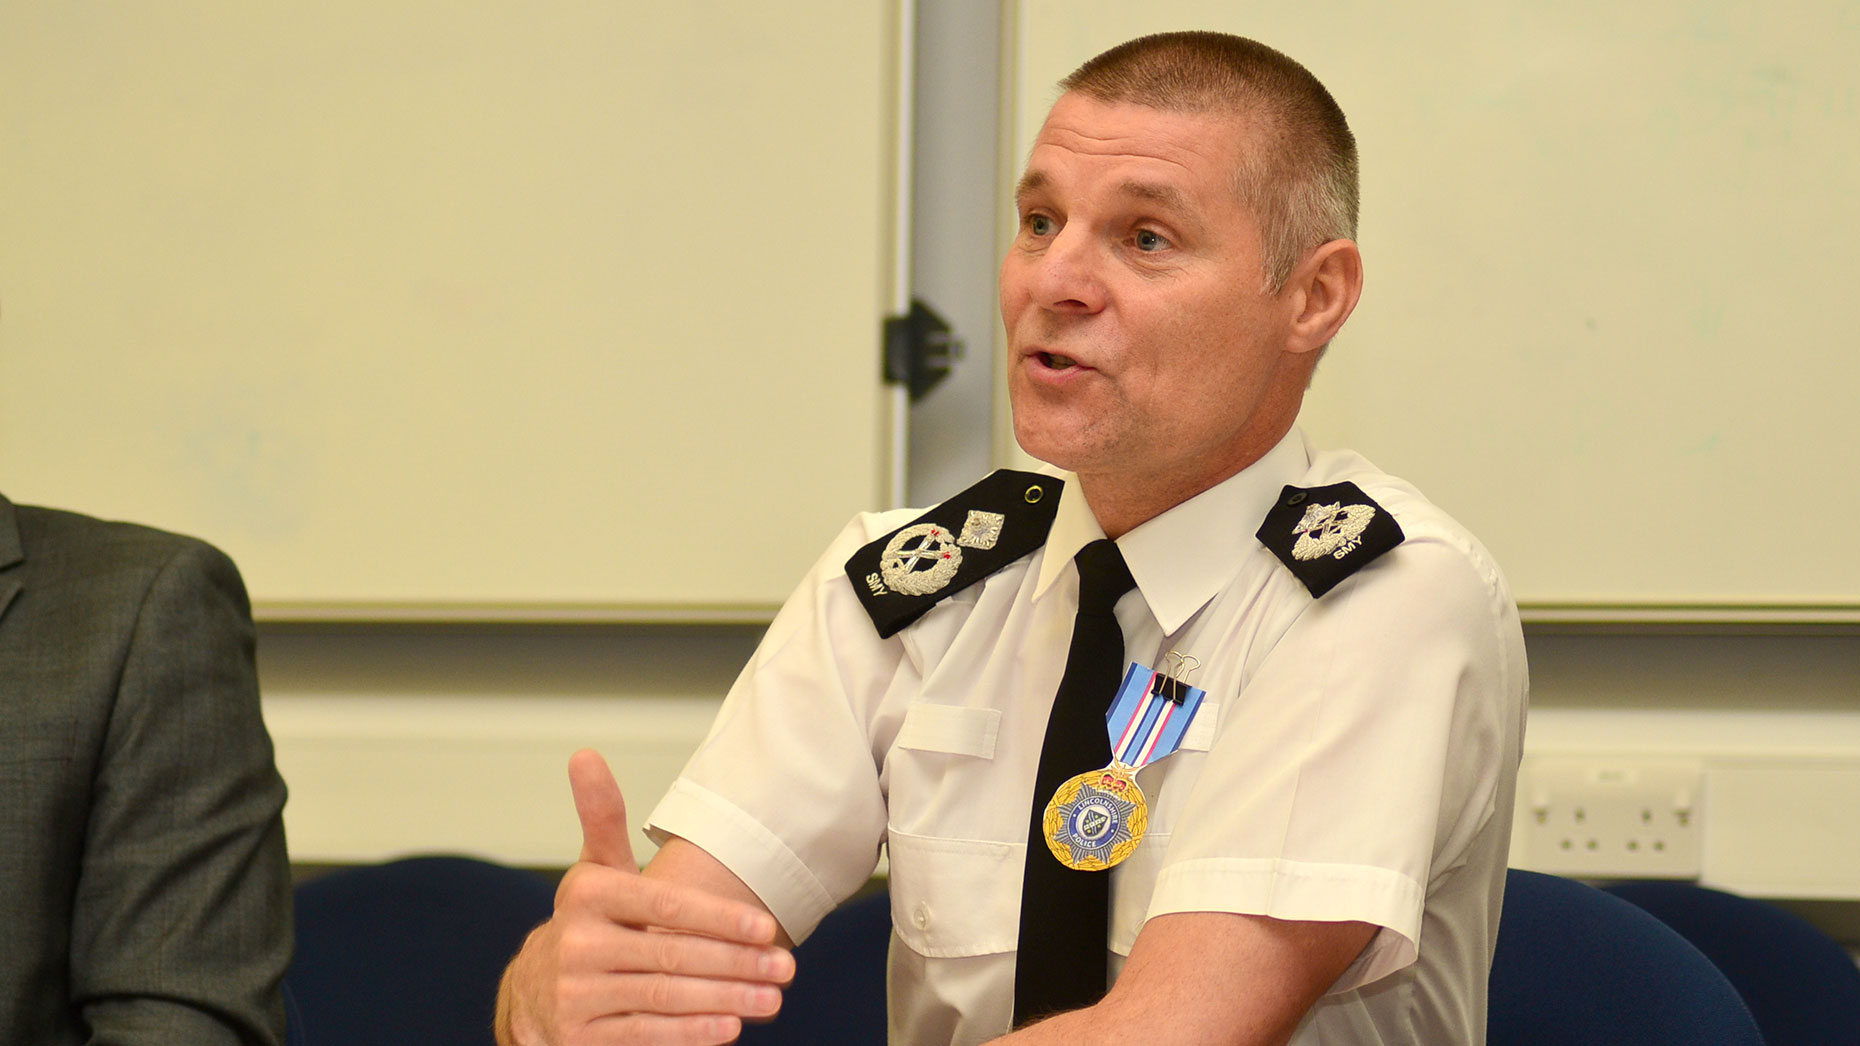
point(505, 1026)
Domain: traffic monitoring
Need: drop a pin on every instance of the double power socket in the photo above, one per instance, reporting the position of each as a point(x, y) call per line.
point(1610, 817)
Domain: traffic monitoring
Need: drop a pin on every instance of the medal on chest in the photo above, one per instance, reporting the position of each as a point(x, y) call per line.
point(1096, 819)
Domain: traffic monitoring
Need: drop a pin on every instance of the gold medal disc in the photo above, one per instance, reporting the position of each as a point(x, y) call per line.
point(1096, 819)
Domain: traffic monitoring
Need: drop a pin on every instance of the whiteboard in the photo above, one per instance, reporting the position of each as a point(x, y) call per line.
point(480, 310)
point(1611, 253)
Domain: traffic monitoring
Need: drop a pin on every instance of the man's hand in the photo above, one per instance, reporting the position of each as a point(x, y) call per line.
point(630, 958)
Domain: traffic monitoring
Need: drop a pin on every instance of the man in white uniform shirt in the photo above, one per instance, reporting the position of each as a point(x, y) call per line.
point(1325, 853)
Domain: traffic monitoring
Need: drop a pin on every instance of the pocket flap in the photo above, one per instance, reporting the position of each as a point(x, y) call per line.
point(956, 729)
point(1199, 736)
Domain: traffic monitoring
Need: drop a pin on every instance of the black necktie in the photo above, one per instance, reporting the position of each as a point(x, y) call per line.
point(1064, 914)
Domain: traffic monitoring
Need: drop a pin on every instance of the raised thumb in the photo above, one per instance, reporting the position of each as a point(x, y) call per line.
point(602, 811)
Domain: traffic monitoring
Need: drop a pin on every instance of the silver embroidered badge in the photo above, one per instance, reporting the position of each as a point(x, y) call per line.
point(1333, 530)
point(981, 530)
point(919, 560)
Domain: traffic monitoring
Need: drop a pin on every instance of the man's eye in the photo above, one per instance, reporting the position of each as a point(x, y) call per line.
point(1039, 224)
point(1149, 241)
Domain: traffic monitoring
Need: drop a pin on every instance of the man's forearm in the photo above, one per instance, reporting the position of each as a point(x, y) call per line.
point(1213, 978)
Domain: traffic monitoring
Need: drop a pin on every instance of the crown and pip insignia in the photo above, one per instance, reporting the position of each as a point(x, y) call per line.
point(1325, 534)
point(902, 575)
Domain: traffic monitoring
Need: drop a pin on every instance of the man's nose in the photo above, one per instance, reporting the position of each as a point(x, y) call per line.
point(1069, 277)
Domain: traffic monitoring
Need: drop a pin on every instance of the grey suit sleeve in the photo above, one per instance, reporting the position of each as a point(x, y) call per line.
point(181, 930)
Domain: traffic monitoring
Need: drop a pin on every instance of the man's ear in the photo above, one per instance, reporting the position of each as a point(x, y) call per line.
point(1323, 292)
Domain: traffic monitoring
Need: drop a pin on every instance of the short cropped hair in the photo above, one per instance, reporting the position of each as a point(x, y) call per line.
point(1300, 180)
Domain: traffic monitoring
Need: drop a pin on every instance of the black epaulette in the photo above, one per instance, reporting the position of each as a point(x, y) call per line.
point(1325, 534)
point(902, 575)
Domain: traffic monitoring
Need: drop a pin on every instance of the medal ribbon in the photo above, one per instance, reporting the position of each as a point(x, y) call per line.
point(1147, 720)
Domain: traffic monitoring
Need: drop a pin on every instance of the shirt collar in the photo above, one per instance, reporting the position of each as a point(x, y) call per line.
point(1184, 556)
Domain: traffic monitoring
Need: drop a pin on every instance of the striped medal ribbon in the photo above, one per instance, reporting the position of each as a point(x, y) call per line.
point(1097, 818)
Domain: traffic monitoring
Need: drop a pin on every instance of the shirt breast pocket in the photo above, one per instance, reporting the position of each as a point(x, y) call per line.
point(953, 898)
point(955, 887)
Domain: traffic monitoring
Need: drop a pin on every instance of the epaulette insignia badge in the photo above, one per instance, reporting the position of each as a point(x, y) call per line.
point(902, 575)
point(1325, 534)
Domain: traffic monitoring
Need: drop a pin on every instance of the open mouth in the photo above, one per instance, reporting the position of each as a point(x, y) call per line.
point(1056, 361)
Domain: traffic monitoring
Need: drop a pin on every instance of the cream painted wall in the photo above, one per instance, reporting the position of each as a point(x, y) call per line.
point(405, 739)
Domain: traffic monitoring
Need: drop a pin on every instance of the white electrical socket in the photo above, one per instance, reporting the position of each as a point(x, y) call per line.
point(1610, 816)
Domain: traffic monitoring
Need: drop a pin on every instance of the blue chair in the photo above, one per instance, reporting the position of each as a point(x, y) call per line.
point(1575, 965)
point(408, 951)
point(838, 994)
point(1802, 988)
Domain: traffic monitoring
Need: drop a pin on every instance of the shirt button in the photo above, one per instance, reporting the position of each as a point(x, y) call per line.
point(921, 916)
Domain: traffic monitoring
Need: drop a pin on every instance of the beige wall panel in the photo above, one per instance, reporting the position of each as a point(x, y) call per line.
point(378, 776)
point(1784, 831)
point(478, 309)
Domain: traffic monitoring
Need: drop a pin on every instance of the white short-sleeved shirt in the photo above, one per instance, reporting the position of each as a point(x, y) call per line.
point(1354, 758)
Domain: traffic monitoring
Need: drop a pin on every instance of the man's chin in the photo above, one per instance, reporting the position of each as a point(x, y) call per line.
point(1061, 450)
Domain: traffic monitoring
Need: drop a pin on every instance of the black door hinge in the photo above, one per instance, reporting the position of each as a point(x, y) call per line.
point(919, 349)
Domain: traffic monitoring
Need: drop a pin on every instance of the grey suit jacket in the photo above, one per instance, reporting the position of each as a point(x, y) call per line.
point(144, 887)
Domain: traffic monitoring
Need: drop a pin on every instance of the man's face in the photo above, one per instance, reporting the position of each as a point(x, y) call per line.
point(1141, 343)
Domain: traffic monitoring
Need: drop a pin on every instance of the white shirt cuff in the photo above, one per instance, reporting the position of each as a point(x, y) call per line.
point(796, 898)
point(1304, 892)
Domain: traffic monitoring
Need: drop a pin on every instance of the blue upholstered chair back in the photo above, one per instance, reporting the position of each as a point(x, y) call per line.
point(1577, 965)
point(1801, 986)
point(409, 951)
